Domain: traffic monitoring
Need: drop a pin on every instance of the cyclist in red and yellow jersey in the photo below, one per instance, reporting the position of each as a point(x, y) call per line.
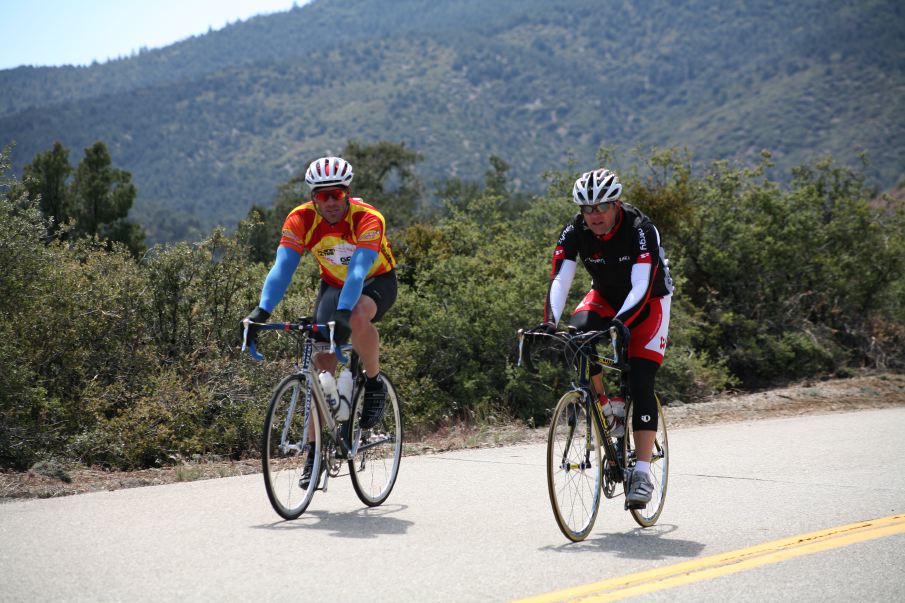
point(347, 237)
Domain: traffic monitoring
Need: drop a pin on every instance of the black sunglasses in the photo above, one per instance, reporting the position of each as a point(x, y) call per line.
point(599, 208)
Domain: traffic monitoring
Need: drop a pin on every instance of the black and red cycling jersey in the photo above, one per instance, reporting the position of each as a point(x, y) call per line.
point(611, 260)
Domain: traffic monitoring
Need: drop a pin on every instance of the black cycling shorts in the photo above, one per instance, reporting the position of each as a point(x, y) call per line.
point(382, 289)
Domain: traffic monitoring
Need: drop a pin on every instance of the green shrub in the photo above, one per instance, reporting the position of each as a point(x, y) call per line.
point(134, 363)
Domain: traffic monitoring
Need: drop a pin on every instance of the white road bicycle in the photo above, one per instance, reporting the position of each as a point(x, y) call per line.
point(299, 415)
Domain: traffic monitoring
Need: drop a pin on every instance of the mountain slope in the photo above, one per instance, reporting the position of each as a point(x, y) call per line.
point(211, 125)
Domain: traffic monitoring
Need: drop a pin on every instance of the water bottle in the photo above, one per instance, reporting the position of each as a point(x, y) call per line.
point(614, 411)
point(344, 387)
point(604, 404)
point(328, 384)
point(617, 404)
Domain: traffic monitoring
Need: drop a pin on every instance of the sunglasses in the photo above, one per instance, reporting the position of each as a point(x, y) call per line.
point(336, 194)
point(599, 208)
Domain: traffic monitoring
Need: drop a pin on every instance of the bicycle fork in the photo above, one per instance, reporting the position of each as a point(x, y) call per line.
point(586, 463)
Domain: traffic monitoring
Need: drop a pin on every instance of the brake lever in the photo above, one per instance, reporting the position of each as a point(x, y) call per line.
point(619, 344)
point(250, 346)
point(335, 349)
point(524, 353)
point(247, 323)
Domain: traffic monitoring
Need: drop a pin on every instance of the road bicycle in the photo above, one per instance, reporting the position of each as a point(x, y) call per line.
point(576, 473)
point(299, 414)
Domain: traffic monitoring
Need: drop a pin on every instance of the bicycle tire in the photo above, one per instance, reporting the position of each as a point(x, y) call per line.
point(573, 483)
point(282, 457)
point(659, 467)
point(374, 469)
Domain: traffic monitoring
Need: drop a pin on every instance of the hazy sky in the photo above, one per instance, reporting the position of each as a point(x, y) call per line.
point(77, 32)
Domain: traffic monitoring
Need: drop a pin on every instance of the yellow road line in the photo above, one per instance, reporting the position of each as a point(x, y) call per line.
point(726, 563)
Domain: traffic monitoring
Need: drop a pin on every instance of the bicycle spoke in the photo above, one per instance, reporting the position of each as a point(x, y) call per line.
point(375, 463)
point(573, 471)
point(659, 469)
point(285, 450)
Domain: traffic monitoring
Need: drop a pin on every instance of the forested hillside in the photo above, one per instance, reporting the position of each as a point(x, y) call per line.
point(214, 124)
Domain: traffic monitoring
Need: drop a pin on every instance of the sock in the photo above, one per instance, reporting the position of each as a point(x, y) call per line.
point(643, 466)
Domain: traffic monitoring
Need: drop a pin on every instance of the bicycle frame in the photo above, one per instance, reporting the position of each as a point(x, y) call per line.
point(313, 390)
point(578, 470)
point(583, 386)
point(583, 371)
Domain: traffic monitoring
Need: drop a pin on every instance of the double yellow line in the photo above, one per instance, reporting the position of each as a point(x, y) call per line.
point(727, 563)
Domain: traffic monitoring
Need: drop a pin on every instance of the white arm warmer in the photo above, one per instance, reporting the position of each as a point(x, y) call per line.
point(559, 288)
point(640, 284)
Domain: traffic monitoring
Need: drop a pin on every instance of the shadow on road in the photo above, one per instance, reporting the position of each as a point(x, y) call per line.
point(648, 543)
point(364, 523)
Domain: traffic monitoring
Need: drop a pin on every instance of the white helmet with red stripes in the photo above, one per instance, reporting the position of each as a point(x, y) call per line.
point(599, 186)
point(329, 171)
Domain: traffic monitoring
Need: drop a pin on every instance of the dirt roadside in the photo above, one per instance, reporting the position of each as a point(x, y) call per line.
point(865, 391)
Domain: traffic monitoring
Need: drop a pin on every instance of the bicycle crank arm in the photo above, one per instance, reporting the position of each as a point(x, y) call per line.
point(323, 486)
point(375, 443)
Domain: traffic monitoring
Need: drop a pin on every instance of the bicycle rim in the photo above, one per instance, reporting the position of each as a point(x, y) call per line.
point(376, 465)
point(659, 467)
point(574, 469)
point(282, 454)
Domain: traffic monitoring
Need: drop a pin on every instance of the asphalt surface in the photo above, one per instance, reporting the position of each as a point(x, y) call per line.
point(477, 526)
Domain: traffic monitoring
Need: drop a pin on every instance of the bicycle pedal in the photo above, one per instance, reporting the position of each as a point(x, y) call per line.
point(634, 505)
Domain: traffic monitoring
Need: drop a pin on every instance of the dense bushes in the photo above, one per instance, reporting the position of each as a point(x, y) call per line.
point(128, 363)
point(793, 282)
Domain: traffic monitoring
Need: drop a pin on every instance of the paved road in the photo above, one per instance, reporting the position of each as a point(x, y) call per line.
point(476, 526)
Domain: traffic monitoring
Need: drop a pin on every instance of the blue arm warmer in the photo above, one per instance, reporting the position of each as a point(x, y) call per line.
point(278, 278)
point(359, 265)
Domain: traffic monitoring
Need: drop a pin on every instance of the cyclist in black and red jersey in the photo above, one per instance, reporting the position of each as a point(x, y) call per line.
point(631, 289)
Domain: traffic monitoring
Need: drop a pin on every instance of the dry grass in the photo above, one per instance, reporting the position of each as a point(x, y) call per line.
point(810, 397)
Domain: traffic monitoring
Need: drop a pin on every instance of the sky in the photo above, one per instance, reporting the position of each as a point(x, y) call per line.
point(78, 32)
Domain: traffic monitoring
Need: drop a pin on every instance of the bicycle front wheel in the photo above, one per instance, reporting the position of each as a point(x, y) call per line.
point(659, 466)
point(375, 464)
point(285, 448)
point(574, 468)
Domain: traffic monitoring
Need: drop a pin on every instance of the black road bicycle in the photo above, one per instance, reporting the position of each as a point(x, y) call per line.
point(299, 415)
point(576, 472)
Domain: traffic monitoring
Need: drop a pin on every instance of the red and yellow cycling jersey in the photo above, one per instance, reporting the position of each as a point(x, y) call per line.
point(333, 244)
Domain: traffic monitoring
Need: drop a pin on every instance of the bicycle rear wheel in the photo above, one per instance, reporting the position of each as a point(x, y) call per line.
point(659, 467)
point(375, 465)
point(284, 449)
point(574, 468)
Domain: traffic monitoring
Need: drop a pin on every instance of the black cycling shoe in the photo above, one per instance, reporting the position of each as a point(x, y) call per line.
point(309, 468)
point(374, 404)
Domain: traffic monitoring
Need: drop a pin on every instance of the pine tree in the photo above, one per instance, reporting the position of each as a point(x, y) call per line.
point(45, 179)
point(102, 196)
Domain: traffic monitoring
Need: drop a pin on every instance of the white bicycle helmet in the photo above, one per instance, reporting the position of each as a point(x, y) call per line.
point(329, 171)
point(599, 186)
